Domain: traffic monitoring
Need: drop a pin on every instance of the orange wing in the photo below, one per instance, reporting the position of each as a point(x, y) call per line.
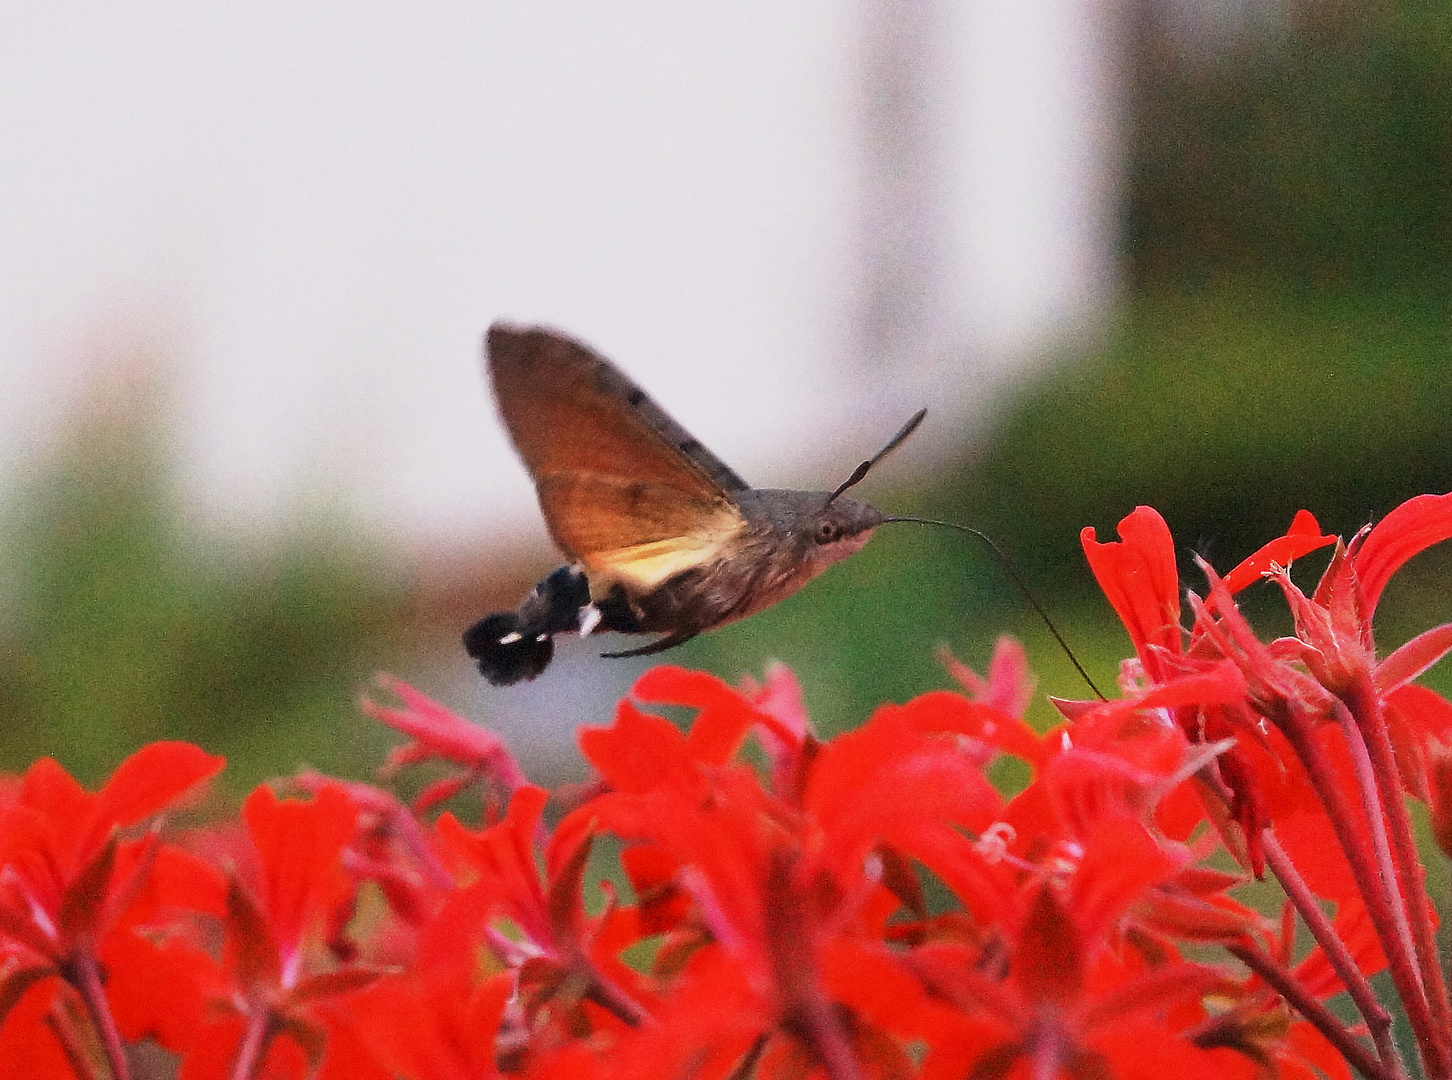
point(632, 532)
point(624, 489)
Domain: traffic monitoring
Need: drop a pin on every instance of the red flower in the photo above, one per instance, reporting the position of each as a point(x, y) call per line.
point(1319, 730)
point(440, 1018)
point(1071, 1003)
point(270, 990)
point(565, 959)
point(1008, 688)
point(785, 884)
point(441, 734)
point(67, 877)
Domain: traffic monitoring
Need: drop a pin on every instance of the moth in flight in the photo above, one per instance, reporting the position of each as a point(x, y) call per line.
point(661, 536)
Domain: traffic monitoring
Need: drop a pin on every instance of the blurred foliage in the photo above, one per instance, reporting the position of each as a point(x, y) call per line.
point(119, 625)
point(1285, 341)
point(1313, 143)
point(1227, 410)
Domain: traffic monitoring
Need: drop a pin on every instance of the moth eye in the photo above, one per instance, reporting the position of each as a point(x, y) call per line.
point(828, 532)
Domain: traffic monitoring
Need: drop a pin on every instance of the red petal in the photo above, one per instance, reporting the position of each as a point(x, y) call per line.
point(1139, 578)
point(1139, 1049)
point(1314, 1048)
point(887, 783)
point(180, 880)
point(725, 717)
point(214, 1053)
point(28, 1049)
point(501, 860)
point(156, 988)
point(148, 782)
point(1302, 537)
point(47, 787)
point(941, 711)
point(434, 1021)
point(299, 850)
point(1413, 658)
point(1420, 720)
point(639, 751)
point(347, 1055)
point(1412, 527)
point(1120, 865)
point(878, 987)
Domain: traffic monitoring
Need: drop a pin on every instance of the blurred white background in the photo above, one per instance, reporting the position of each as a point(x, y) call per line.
point(792, 222)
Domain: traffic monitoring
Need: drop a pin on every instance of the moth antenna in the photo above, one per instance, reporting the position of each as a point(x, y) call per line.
point(1012, 570)
point(866, 467)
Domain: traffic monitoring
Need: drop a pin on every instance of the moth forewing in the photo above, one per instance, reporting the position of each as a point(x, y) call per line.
point(590, 515)
point(570, 410)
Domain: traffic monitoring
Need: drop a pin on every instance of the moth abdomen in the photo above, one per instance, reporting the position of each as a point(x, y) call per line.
point(504, 652)
point(513, 646)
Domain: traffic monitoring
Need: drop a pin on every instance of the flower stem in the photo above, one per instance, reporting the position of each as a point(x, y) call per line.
point(1320, 1017)
point(1374, 878)
point(81, 972)
point(746, 1067)
point(261, 1027)
point(1368, 718)
point(1378, 1020)
point(613, 1000)
point(65, 1035)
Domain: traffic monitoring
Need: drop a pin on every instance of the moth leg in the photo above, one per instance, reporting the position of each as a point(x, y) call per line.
point(670, 641)
point(616, 613)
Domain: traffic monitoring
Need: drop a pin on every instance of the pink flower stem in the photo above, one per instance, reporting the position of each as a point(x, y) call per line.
point(60, 1026)
point(1374, 879)
point(819, 1028)
point(261, 1027)
point(81, 972)
point(746, 1067)
point(1378, 1020)
point(1320, 1017)
point(1368, 719)
point(612, 999)
point(1373, 807)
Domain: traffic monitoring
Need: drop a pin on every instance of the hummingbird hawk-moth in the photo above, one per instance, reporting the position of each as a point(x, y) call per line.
point(661, 536)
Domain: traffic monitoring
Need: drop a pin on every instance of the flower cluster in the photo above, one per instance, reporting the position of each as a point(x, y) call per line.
point(737, 897)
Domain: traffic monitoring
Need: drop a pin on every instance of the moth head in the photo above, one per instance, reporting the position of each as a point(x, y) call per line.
point(837, 528)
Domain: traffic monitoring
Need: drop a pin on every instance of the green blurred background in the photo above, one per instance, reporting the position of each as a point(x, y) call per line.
point(1283, 341)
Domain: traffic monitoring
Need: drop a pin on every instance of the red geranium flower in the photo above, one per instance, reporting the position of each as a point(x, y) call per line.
point(276, 974)
point(68, 878)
